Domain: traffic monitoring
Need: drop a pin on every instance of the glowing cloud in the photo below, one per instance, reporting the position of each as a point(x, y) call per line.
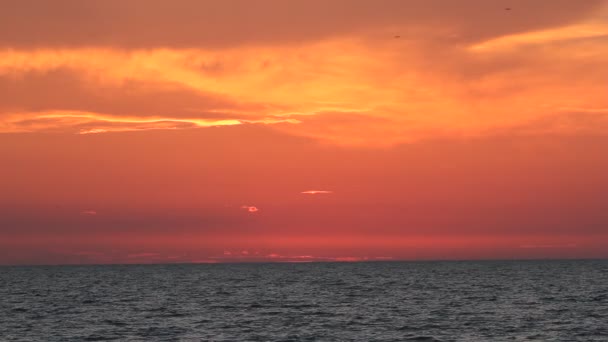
point(316, 192)
point(359, 92)
point(573, 32)
point(250, 208)
point(477, 131)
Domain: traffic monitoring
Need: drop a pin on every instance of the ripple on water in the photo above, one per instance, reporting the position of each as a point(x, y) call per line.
point(392, 301)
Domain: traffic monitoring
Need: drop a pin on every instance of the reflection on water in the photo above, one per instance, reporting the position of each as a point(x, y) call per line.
point(380, 301)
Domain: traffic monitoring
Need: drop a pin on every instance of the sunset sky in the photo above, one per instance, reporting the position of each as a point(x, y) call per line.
point(149, 131)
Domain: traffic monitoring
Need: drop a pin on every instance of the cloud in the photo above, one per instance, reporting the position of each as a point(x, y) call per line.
point(144, 255)
point(573, 32)
point(88, 212)
point(92, 123)
point(549, 246)
point(344, 80)
point(250, 208)
point(246, 256)
point(171, 24)
point(73, 85)
point(350, 259)
point(65, 99)
point(316, 192)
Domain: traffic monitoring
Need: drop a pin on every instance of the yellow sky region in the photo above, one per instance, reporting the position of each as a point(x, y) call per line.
point(351, 91)
point(120, 123)
point(577, 31)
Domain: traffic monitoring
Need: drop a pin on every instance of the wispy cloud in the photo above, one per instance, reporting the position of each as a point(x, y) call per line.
point(143, 255)
point(316, 192)
point(573, 32)
point(249, 256)
point(88, 212)
point(184, 78)
point(548, 246)
point(394, 101)
point(96, 123)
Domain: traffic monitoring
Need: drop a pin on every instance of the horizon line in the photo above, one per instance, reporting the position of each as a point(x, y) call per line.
point(311, 262)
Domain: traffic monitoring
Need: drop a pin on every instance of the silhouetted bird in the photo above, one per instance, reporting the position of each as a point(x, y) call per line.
point(397, 37)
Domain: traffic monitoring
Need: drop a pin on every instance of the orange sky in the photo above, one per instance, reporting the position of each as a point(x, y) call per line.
point(214, 131)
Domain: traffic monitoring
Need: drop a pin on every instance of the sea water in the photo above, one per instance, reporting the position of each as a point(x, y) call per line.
point(375, 301)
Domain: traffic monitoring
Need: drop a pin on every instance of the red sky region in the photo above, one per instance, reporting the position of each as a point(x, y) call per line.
point(306, 132)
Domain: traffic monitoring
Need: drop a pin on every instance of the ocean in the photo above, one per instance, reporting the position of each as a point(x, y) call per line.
point(374, 301)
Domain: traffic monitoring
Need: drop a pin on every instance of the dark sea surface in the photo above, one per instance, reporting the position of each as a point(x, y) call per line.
point(379, 301)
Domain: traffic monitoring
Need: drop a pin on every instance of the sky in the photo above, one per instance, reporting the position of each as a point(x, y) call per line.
point(165, 131)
